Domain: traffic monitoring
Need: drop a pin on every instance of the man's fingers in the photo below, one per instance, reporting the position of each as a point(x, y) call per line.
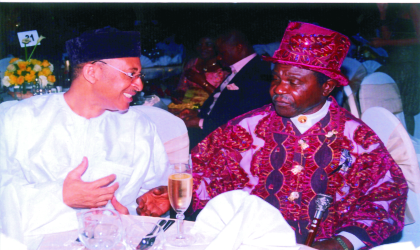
point(101, 203)
point(79, 170)
point(141, 210)
point(105, 181)
point(146, 213)
point(105, 197)
point(118, 206)
point(141, 202)
point(160, 190)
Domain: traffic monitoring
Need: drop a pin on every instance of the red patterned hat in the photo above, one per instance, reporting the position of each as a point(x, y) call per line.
point(312, 47)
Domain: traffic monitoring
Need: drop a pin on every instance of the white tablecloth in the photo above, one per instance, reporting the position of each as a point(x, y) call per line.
point(66, 240)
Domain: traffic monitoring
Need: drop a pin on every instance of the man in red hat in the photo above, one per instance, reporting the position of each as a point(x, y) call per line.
point(304, 144)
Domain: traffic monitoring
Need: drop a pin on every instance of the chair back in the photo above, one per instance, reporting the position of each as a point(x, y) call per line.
point(371, 66)
point(398, 143)
point(172, 132)
point(380, 90)
point(355, 72)
point(351, 103)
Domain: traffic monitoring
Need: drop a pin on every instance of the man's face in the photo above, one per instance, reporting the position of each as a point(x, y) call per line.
point(296, 91)
point(114, 91)
point(227, 54)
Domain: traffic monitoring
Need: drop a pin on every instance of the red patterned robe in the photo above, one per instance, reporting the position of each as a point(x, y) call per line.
point(266, 155)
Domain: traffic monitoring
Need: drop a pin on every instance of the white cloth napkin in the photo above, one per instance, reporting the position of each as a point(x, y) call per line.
point(10, 243)
point(397, 246)
point(238, 220)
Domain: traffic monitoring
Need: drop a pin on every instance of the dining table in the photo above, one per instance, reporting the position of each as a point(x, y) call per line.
point(67, 240)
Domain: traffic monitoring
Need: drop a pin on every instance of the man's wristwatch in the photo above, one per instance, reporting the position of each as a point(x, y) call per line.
point(341, 242)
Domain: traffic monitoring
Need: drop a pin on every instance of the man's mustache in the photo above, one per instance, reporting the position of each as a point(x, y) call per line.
point(283, 98)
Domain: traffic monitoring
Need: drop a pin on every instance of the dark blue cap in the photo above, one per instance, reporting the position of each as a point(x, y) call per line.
point(106, 43)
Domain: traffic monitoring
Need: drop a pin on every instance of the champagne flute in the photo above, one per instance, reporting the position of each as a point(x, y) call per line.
point(180, 184)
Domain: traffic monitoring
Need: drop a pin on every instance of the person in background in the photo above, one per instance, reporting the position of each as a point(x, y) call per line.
point(203, 72)
point(400, 37)
point(304, 144)
point(246, 88)
point(86, 148)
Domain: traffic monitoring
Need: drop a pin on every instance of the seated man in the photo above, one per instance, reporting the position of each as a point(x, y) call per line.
point(245, 89)
point(304, 144)
point(86, 148)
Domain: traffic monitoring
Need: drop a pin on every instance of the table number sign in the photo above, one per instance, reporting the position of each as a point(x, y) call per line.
point(32, 35)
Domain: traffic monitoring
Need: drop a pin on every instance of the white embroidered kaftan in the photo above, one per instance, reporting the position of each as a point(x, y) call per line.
point(42, 139)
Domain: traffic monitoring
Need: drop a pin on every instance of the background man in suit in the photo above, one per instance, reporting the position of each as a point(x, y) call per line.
point(245, 89)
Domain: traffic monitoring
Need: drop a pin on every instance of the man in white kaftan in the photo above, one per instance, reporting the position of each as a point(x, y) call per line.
point(39, 150)
point(85, 148)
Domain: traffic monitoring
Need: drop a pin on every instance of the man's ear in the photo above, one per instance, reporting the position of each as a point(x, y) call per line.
point(89, 72)
point(329, 86)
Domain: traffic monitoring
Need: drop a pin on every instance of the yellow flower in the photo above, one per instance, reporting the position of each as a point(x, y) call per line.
point(22, 65)
point(30, 78)
point(14, 59)
point(28, 69)
point(40, 73)
point(20, 80)
point(32, 72)
point(8, 73)
point(13, 79)
point(35, 62)
point(19, 72)
point(45, 63)
point(51, 78)
point(46, 71)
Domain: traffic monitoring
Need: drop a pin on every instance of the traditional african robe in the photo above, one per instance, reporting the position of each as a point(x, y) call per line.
point(266, 155)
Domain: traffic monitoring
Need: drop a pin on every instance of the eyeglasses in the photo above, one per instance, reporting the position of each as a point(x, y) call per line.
point(131, 75)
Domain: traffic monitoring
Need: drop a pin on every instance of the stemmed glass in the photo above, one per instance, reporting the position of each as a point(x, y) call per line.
point(180, 184)
point(100, 228)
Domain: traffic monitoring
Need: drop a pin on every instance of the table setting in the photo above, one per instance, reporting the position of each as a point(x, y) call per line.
point(232, 220)
point(212, 230)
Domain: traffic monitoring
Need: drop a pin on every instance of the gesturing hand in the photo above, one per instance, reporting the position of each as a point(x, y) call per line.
point(80, 194)
point(154, 203)
point(118, 206)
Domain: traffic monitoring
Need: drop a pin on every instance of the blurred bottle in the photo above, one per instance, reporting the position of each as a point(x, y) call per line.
point(66, 73)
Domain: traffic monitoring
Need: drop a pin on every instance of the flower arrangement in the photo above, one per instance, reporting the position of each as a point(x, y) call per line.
point(21, 73)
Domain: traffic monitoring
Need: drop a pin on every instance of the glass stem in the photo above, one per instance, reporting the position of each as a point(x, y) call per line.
point(180, 225)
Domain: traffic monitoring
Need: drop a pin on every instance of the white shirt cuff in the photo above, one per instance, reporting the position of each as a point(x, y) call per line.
point(200, 123)
point(357, 243)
